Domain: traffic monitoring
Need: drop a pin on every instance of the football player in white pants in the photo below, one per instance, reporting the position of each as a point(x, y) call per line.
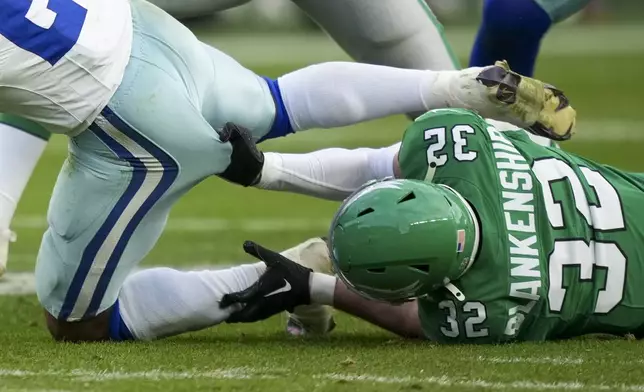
point(149, 111)
point(399, 33)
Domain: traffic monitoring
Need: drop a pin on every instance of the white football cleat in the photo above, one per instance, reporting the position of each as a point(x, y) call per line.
point(311, 319)
point(6, 236)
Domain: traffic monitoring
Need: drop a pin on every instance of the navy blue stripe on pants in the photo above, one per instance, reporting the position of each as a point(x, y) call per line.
point(139, 173)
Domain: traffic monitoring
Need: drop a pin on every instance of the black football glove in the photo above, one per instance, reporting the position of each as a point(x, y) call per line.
point(246, 161)
point(283, 286)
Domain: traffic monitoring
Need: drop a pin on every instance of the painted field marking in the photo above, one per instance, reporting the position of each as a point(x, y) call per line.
point(446, 381)
point(558, 361)
point(534, 360)
point(80, 375)
point(17, 283)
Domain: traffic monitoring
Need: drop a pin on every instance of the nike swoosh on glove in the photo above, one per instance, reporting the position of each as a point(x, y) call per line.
point(283, 286)
point(246, 161)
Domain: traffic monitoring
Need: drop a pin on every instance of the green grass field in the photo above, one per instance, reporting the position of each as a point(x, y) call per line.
point(209, 225)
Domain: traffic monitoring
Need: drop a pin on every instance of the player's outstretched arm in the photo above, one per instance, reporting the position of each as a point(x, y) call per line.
point(401, 319)
point(286, 284)
point(332, 173)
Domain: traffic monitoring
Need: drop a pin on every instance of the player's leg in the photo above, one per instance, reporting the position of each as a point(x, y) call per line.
point(512, 30)
point(397, 33)
point(109, 208)
point(147, 300)
point(338, 94)
point(112, 199)
point(560, 10)
point(22, 143)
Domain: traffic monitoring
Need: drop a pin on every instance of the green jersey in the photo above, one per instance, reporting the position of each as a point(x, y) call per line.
point(562, 238)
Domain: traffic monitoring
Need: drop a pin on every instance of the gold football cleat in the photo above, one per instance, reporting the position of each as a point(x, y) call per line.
point(543, 109)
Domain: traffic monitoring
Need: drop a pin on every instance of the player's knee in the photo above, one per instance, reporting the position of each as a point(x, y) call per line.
point(54, 276)
point(392, 43)
point(394, 50)
point(92, 330)
point(95, 329)
point(394, 34)
point(54, 327)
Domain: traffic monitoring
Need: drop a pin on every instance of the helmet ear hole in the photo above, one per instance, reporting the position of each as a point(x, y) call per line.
point(365, 212)
point(410, 196)
point(376, 270)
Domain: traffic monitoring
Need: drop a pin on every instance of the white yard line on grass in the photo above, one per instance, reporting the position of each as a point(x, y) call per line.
point(17, 283)
point(3, 389)
point(534, 360)
point(80, 375)
point(558, 361)
point(153, 375)
point(446, 381)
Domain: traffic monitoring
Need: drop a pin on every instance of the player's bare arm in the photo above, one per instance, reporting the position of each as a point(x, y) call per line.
point(401, 319)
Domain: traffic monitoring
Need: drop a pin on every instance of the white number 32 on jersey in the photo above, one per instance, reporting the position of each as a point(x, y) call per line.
point(607, 215)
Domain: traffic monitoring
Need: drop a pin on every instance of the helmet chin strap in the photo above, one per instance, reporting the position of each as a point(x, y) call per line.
point(458, 294)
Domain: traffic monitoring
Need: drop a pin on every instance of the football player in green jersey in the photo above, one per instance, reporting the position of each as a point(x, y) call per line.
point(486, 237)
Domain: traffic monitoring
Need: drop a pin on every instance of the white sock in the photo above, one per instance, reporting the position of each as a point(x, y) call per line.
point(161, 302)
point(19, 153)
point(455, 89)
point(336, 94)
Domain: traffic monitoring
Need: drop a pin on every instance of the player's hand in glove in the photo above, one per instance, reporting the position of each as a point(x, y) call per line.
point(283, 286)
point(246, 161)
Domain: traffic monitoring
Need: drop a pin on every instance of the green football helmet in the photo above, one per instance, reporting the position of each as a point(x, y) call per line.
point(396, 240)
